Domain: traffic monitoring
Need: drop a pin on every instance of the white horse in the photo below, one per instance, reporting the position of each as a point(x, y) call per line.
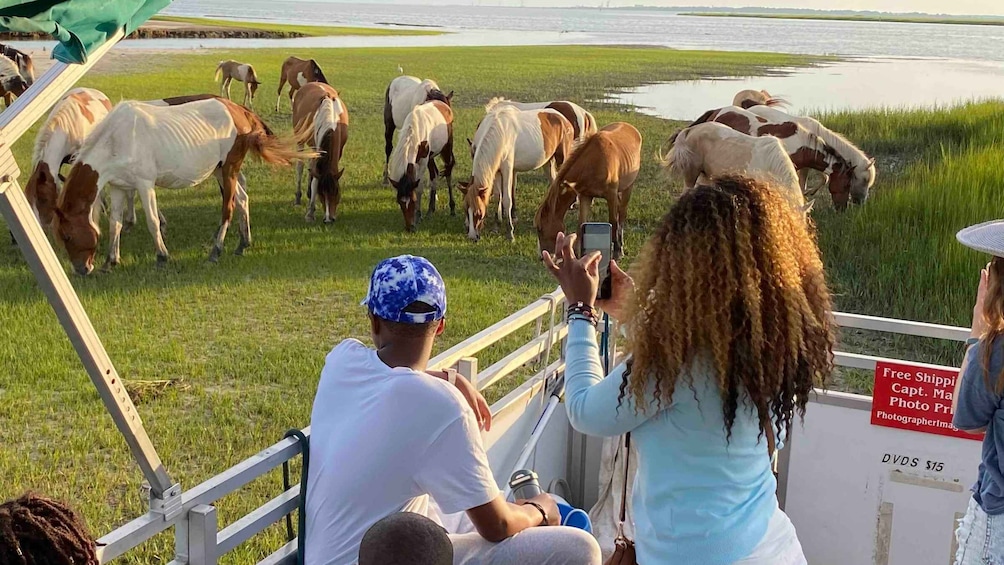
point(141, 146)
point(863, 171)
point(713, 149)
point(583, 123)
point(510, 141)
point(427, 131)
point(57, 142)
point(403, 94)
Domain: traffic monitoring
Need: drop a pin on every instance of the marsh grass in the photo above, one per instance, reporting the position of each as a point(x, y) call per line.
point(292, 30)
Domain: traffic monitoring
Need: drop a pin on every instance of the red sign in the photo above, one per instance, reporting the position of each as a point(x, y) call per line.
point(917, 398)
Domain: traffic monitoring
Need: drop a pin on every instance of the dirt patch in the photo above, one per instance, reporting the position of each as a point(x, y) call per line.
point(160, 29)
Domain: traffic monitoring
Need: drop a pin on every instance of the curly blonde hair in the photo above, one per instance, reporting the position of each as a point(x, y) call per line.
point(732, 276)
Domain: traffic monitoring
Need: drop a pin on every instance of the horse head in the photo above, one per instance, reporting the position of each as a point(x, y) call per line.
point(475, 207)
point(15, 84)
point(26, 67)
point(42, 192)
point(407, 197)
point(73, 223)
point(839, 185)
point(550, 217)
point(862, 180)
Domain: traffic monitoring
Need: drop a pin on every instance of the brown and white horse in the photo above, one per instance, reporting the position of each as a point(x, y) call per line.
point(806, 150)
point(583, 123)
point(748, 98)
point(321, 122)
point(297, 72)
point(603, 165)
point(713, 149)
point(427, 132)
point(510, 141)
point(230, 71)
point(862, 166)
point(403, 94)
point(26, 68)
point(12, 84)
point(141, 146)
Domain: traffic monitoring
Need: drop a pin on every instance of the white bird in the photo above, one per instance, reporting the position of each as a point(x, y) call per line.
point(400, 69)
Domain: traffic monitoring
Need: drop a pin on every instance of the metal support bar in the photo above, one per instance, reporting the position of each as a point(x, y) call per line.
point(202, 548)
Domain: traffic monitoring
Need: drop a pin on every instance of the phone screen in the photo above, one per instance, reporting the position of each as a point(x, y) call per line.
point(597, 237)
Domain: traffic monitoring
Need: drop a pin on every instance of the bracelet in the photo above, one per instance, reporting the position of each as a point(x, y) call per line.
point(543, 513)
point(582, 311)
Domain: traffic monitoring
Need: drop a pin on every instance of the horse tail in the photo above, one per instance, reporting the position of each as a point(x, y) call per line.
point(680, 156)
point(269, 147)
point(661, 155)
point(219, 72)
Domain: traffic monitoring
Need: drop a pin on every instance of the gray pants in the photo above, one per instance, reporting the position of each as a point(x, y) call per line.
point(551, 545)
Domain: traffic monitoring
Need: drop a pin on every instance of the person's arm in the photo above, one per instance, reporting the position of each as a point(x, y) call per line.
point(474, 398)
point(498, 519)
point(973, 404)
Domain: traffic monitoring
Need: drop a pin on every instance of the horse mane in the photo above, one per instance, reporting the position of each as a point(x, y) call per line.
point(839, 143)
point(406, 139)
point(553, 197)
point(318, 72)
point(488, 157)
point(58, 120)
point(8, 67)
point(494, 103)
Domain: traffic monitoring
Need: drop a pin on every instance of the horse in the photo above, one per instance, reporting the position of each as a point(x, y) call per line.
point(604, 164)
point(510, 141)
point(427, 132)
point(231, 70)
point(57, 142)
point(582, 121)
point(403, 94)
point(12, 84)
point(297, 72)
point(321, 122)
point(746, 99)
point(714, 149)
point(140, 146)
point(26, 68)
point(862, 171)
point(805, 149)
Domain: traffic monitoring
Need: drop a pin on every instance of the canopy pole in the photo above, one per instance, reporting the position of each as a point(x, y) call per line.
point(165, 496)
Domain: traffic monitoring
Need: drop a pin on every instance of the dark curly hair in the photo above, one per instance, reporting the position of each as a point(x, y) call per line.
point(35, 530)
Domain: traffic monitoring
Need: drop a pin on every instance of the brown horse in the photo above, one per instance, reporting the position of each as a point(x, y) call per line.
point(321, 122)
point(297, 72)
point(603, 165)
point(230, 71)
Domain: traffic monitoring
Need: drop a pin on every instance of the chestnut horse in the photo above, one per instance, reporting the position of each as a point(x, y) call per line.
point(403, 94)
point(602, 165)
point(297, 72)
point(583, 123)
point(510, 141)
point(230, 71)
point(140, 146)
point(321, 122)
point(427, 132)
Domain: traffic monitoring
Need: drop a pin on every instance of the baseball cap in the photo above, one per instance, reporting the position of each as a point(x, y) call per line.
point(399, 281)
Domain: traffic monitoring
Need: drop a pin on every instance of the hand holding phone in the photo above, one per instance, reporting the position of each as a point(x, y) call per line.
point(597, 236)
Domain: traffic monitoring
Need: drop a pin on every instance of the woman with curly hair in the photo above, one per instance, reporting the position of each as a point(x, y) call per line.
point(729, 330)
point(35, 530)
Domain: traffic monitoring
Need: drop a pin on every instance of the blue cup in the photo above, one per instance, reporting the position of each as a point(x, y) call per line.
point(575, 518)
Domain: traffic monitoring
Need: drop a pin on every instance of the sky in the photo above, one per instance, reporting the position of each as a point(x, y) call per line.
point(982, 7)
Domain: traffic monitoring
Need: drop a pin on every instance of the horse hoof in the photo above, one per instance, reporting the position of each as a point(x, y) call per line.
point(214, 255)
point(162, 260)
point(296, 201)
point(127, 226)
point(109, 265)
point(510, 237)
point(309, 218)
point(329, 221)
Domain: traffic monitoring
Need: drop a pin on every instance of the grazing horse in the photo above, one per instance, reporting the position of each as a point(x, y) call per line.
point(604, 165)
point(746, 99)
point(141, 146)
point(57, 143)
point(12, 84)
point(403, 94)
point(26, 68)
point(297, 72)
point(231, 70)
point(321, 122)
point(806, 150)
point(582, 121)
point(862, 167)
point(427, 132)
point(714, 149)
point(510, 141)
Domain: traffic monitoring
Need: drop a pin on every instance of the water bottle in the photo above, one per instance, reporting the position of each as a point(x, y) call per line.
point(524, 484)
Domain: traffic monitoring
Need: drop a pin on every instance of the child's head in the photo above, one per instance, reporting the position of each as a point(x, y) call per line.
point(35, 530)
point(406, 538)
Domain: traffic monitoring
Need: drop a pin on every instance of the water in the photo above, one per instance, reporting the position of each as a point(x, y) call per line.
point(855, 85)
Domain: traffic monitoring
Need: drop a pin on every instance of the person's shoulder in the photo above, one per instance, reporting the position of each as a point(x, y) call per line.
point(437, 391)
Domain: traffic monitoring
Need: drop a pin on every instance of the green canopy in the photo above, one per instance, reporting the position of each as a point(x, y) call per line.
point(80, 26)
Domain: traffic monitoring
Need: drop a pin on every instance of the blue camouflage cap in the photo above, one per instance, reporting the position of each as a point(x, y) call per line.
point(399, 281)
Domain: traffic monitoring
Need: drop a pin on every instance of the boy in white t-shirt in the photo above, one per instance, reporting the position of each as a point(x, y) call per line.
point(386, 434)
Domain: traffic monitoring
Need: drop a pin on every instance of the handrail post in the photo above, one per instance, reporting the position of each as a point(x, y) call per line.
point(202, 548)
point(468, 368)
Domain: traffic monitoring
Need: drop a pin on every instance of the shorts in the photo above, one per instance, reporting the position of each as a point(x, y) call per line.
point(980, 537)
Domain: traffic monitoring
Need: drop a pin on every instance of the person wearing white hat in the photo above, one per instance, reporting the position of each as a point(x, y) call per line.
point(978, 402)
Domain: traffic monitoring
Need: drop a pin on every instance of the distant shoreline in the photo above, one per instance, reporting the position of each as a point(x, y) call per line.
point(854, 18)
point(177, 27)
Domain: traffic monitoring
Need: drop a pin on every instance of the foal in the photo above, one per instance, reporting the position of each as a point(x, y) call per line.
point(231, 70)
point(321, 122)
point(297, 72)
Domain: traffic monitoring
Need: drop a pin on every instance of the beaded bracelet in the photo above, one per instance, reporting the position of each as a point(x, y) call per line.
point(582, 311)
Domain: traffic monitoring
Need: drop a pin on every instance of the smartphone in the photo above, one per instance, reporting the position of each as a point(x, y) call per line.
point(597, 236)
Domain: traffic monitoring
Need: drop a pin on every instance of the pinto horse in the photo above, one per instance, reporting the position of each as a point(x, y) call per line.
point(230, 71)
point(321, 122)
point(713, 149)
point(403, 94)
point(12, 84)
point(297, 72)
point(602, 165)
point(57, 142)
point(141, 146)
point(583, 123)
point(427, 132)
point(806, 150)
point(746, 99)
point(25, 66)
point(862, 173)
point(510, 141)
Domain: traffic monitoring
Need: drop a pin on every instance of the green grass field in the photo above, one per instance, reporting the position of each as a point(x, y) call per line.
point(245, 339)
point(294, 30)
point(858, 18)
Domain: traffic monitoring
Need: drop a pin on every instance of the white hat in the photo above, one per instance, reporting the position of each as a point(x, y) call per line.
point(987, 237)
